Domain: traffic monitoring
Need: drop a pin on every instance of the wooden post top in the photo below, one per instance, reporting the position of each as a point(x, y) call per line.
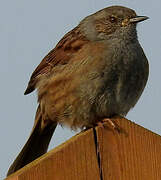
point(132, 154)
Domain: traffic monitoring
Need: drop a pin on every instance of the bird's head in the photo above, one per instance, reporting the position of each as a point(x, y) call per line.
point(111, 22)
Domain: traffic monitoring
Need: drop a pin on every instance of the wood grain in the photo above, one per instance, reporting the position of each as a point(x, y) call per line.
point(133, 154)
point(74, 160)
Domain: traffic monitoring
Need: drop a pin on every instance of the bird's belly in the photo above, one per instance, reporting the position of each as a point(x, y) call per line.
point(80, 103)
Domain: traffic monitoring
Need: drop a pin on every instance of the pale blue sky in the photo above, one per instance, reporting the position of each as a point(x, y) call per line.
point(29, 30)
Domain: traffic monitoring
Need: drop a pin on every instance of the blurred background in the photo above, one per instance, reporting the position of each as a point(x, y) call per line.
point(28, 31)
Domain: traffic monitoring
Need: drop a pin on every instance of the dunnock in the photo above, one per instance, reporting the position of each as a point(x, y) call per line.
point(97, 70)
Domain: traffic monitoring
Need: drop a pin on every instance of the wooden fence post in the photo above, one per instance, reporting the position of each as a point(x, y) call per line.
point(132, 154)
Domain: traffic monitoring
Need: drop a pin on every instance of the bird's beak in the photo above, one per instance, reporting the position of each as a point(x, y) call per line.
point(138, 19)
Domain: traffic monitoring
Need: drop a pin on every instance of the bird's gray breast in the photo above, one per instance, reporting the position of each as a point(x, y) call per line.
point(125, 76)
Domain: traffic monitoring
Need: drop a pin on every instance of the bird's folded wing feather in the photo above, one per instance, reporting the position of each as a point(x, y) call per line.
point(67, 46)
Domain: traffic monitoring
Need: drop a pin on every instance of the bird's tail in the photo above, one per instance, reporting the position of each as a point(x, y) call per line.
point(36, 145)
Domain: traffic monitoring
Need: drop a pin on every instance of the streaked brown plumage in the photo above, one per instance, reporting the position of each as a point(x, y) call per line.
point(96, 71)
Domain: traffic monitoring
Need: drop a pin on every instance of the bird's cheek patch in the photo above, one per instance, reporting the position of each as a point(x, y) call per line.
point(100, 27)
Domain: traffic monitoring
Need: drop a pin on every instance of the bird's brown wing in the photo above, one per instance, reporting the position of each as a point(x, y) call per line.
point(67, 46)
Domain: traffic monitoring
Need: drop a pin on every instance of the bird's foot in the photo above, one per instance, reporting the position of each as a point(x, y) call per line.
point(110, 123)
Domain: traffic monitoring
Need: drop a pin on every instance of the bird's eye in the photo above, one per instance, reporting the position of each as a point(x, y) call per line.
point(113, 19)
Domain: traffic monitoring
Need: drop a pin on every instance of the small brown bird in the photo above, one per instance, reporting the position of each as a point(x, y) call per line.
point(96, 71)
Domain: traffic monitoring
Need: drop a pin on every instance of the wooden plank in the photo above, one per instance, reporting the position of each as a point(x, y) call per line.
point(12, 178)
point(134, 154)
point(74, 160)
